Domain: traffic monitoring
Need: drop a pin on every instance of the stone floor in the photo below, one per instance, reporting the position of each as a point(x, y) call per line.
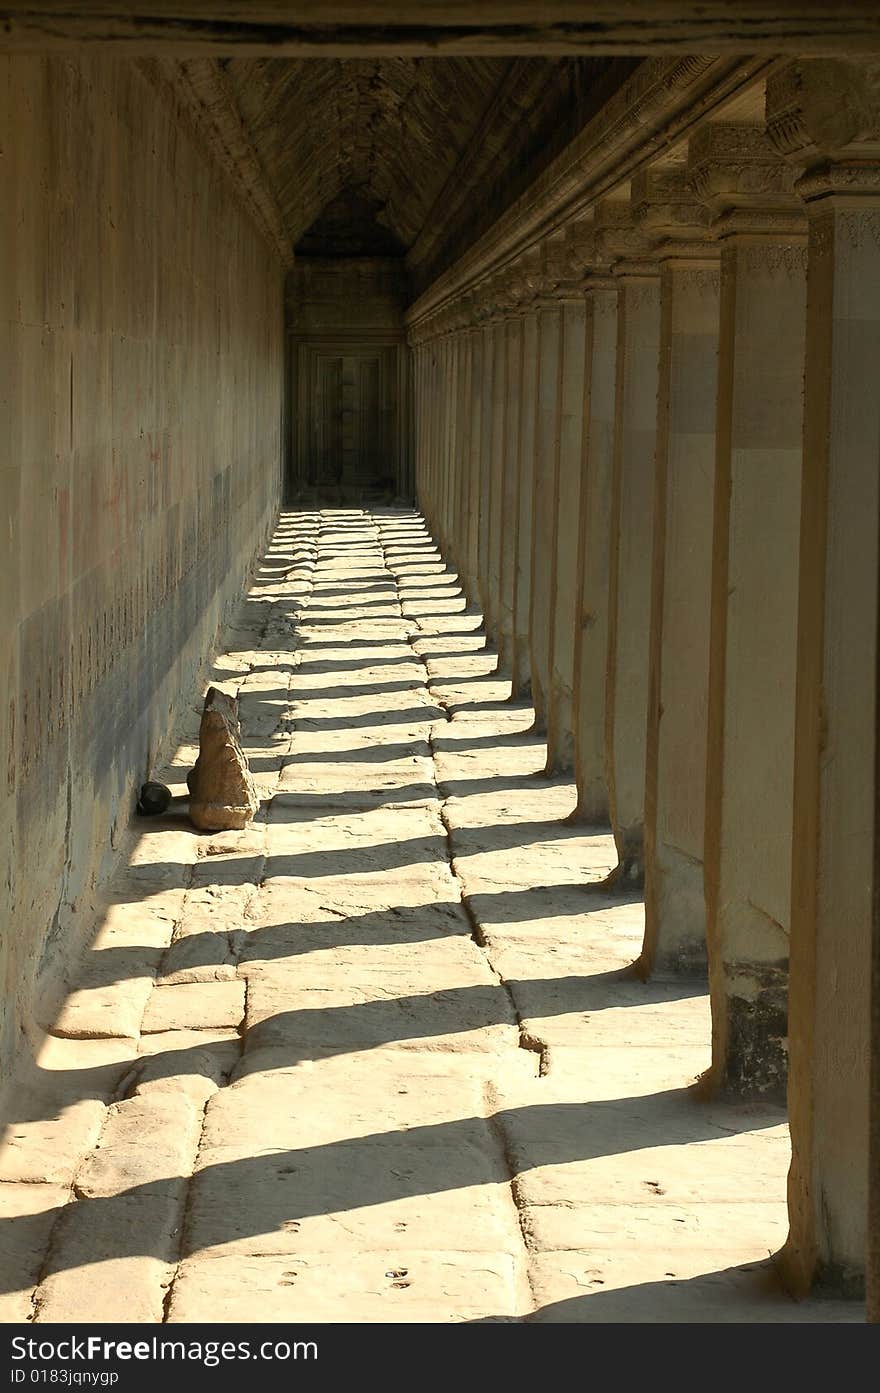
point(379, 1057)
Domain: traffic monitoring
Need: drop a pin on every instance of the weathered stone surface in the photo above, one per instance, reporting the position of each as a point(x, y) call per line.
point(112, 1260)
point(222, 793)
point(100, 1009)
point(122, 1229)
point(355, 1015)
point(27, 1216)
point(592, 1287)
point(194, 1063)
point(144, 1141)
point(396, 1285)
point(194, 1006)
point(198, 957)
point(48, 1147)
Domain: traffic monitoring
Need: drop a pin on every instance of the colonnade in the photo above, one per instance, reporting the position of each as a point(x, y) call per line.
point(650, 445)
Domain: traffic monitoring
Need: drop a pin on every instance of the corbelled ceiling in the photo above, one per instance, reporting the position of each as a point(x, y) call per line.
point(396, 156)
point(388, 131)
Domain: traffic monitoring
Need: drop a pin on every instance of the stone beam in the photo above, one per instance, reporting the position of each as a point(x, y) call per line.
point(299, 28)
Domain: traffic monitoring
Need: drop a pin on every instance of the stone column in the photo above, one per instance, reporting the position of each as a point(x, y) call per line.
point(452, 533)
point(750, 745)
point(486, 443)
point(498, 461)
point(545, 505)
point(873, 1245)
point(462, 391)
point(443, 433)
point(825, 116)
point(449, 462)
point(430, 425)
point(416, 351)
point(591, 636)
point(419, 415)
point(526, 443)
point(510, 482)
point(684, 483)
point(631, 528)
point(475, 335)
point(572, 441)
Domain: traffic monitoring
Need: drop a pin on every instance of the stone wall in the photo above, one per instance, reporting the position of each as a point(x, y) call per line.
point(141, 337)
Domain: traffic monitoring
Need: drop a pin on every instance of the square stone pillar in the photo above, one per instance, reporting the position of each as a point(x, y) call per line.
point(475, 445)
point(434, 426)
point(418, 425)
point(526, 445)
point(498, 463)
point(560, 711)
point(461, 427)
point(439, 431)
point(675, 777)
point(422, 421)
point(431, 423)
point(591, 637)
point(487, 425)
point(510, 493)
point(826, 116)
point(447, 454)
point(450, 454)
point(455, 550)
point(752, 661)
point(631, 529)
point(684, 483)
point(545, 505)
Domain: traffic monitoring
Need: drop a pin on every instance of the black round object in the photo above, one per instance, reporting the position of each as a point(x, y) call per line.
point(154, 799)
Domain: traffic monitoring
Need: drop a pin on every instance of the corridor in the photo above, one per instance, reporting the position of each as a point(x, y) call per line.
point(381, 1056)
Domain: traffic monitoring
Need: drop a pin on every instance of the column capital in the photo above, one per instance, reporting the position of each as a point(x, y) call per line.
point(672, 217)
point(749, 189)
point(459, 314)
point(618, 237)
point(823, 116)
point(589, 258)
point(560, 273)
point(528, 267)
point(502, 296)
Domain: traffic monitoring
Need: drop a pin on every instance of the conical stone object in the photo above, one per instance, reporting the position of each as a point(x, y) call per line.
point(222, 793)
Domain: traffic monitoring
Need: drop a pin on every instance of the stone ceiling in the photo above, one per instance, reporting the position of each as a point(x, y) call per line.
point(389, 131)
point(390, 156)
